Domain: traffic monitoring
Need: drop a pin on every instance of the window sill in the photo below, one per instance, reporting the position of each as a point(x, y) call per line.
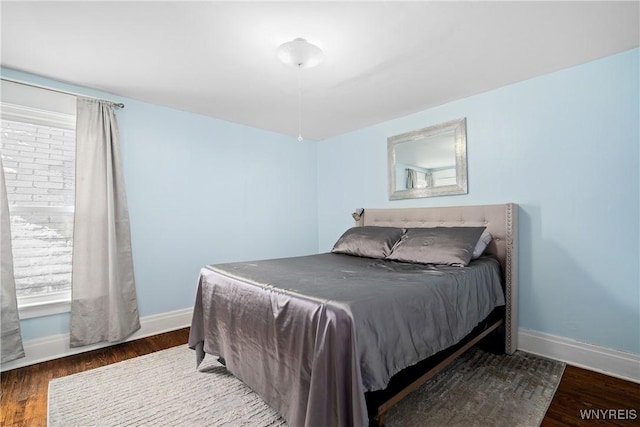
point(44, 305)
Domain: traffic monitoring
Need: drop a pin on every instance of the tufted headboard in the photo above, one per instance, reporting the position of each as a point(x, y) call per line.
point(500, 220)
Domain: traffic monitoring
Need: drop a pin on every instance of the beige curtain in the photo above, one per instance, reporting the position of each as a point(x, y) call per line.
point(428, 177)
point(11, 345)
point(104, 305)
point(412, 178)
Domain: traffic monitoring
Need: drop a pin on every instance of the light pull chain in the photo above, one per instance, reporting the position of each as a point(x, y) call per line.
point(300, 102)
point(300, 53)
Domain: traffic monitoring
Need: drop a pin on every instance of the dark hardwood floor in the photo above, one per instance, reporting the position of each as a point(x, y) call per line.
point(583, 390)
point(23, 400)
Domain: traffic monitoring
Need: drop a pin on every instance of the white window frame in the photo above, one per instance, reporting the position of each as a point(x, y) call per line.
point(31, 306)
point(44, 305)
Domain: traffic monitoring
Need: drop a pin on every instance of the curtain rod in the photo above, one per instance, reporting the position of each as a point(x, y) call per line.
point(66, 92)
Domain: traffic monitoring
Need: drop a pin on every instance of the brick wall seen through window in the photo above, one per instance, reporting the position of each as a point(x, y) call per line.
point(39, 173)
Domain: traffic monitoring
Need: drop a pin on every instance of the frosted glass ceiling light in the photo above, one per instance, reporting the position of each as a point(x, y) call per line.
point(301, 54)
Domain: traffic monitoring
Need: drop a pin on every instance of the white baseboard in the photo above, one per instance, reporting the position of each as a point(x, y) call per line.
point(55, 346)
point(601, 359)
point(595, 358)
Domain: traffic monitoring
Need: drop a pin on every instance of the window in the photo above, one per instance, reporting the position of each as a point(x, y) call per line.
point(38, 152)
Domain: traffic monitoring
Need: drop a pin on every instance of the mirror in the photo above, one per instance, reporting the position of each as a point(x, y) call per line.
point(428, 162)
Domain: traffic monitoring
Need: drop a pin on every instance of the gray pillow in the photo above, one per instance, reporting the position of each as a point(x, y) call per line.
point(437, 245)
point(368, 241)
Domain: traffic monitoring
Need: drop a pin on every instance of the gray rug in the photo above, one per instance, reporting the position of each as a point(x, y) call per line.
point(164, 389)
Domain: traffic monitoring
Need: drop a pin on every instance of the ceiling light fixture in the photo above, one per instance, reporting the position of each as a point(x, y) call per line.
point(300, 54)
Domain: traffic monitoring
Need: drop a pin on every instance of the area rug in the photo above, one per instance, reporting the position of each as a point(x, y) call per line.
point(165, 389)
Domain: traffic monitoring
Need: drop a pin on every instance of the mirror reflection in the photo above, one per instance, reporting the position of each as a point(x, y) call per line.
point(428, 162)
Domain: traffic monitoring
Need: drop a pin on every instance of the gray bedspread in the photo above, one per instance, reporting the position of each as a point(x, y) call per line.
point(311, 334)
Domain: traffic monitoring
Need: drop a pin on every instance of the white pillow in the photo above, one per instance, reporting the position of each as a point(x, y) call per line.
point(482, 244)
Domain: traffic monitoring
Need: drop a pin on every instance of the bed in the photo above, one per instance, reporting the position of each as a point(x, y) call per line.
point(336, 339)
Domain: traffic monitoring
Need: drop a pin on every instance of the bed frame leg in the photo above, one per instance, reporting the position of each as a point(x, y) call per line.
point(378, 420)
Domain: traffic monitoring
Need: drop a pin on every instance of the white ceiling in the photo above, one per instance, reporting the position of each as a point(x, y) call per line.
point(382, 60)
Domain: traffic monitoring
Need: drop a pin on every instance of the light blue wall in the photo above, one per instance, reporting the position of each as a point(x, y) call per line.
point(202, 191)
point(564, 147)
